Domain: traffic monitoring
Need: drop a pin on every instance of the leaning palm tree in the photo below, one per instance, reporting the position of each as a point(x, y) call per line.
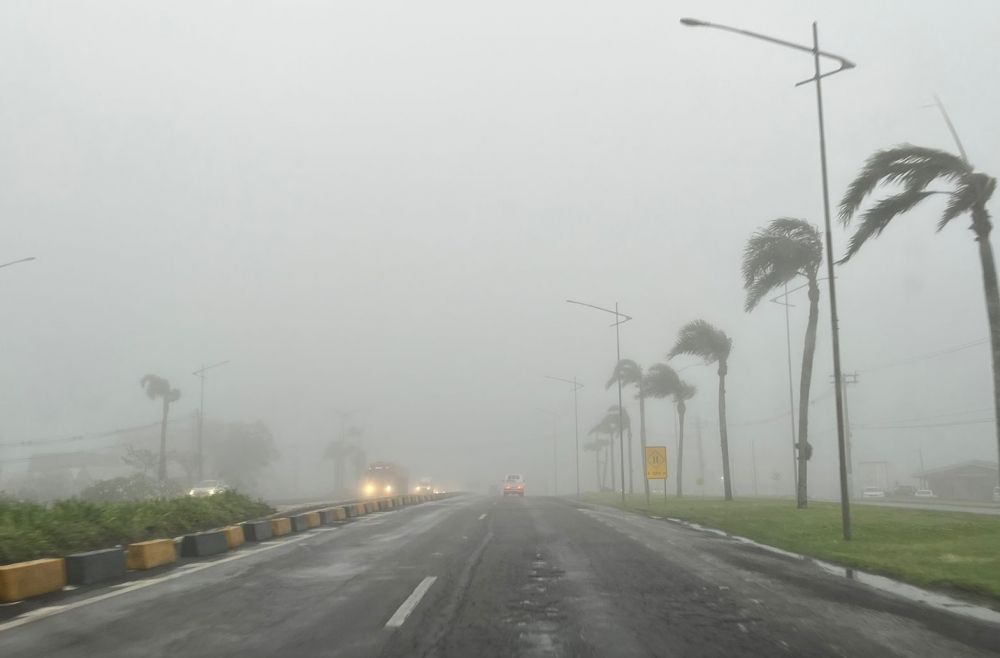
point(605, 426)
point(914, 168)
point(660, 382)
point(631, 374)
point(700, 338)
point(158, 387)
point(626, 428)
point(775, 255)
point(595, 446)
point(682, 393)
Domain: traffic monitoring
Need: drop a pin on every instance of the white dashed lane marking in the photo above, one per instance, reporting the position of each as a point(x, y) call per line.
point(399, 617)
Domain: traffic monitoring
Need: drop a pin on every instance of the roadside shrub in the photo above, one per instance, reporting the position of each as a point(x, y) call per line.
point(133, 487)
point(31, 530)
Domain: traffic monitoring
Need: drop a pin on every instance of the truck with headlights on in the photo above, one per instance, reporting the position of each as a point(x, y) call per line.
point(384, 479)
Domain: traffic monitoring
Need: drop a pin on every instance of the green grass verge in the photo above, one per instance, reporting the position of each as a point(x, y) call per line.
point(945, 550)
point(29, 531)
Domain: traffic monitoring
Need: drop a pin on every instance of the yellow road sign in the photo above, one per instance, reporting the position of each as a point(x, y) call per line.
point(656, 462)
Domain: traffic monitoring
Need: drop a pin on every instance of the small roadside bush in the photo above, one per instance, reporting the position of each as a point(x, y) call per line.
point(30, 531)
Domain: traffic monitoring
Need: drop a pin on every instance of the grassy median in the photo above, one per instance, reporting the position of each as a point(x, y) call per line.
point(945, 550)
point(29, 530)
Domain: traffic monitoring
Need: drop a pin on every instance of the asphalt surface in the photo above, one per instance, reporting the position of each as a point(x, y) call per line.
point(477, 576)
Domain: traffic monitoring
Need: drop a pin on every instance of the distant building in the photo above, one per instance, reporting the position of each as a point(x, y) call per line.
point(971, 480)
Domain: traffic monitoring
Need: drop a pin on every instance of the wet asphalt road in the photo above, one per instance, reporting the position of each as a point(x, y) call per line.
point(491, 577)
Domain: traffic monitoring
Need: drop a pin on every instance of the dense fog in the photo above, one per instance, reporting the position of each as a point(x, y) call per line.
point(376, 211)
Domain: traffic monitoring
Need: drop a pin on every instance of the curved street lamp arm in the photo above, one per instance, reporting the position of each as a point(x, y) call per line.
point(843, 61)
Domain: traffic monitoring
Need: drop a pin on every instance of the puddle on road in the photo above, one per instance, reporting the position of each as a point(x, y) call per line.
point(538, 632)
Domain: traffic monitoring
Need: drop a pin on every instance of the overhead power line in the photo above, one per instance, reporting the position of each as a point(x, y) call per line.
point(88, 437)
point(928, 355)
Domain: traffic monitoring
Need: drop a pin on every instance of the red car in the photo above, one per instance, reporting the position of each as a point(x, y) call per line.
point(513, 485)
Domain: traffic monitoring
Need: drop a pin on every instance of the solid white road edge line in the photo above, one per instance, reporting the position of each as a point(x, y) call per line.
point(399, 617)
point(42, 613)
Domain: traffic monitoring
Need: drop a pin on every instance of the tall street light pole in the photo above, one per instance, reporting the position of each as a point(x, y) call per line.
point(844, 64)
point(576, 423)
point(200, 374)
point(620, 319)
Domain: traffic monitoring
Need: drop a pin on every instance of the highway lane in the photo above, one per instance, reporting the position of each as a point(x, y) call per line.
point(476, 576)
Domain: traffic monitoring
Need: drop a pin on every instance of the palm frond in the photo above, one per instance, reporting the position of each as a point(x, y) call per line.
point(661, 381)
point(630, 373)
point(913, 167)
point(684, 391)
point(877, 218)
point(699, 338)
point(155, 386)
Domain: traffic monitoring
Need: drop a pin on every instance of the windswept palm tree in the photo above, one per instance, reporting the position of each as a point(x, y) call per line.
point(158, 387)
point(701, 339)
point(660, 382)
point(682, 394)
point(607, 425)
point(631, 374)
point(913, 168)
point(595, 446)
point(777, 254)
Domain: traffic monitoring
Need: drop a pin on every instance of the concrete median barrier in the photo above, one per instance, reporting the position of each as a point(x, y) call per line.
point(398, 501)
point(299, 522)
point(370, 507)
point(312, 519)
point(257, 530)
point(355, 510)
point(95, 566)
point(203, 544)
point(234, 536)
point(281, 526)
point(332, 515)
point(148, 554)
point(23, 580)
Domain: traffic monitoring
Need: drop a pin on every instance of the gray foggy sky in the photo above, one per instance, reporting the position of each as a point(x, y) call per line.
point(382, 206)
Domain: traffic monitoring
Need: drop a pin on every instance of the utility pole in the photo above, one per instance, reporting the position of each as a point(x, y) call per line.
point(753, 460)
point(848, 378)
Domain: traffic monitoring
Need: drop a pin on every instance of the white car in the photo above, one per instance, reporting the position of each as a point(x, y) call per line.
point(208, 488)
point(924, 493)
point(873, 492)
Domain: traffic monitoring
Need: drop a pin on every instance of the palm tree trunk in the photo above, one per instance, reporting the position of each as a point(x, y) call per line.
point(681, 408)
point(597, 470)
point(805, 383)
point(642, 440)
point(982, 226)
point(631, 489)
point(723, 433)
point(611, 452)
point(162, 475)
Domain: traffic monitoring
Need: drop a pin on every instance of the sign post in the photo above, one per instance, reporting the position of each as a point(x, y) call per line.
point(656, 465)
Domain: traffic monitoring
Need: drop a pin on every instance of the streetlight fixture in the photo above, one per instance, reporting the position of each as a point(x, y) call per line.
point(576, 423)
point(844, 64)
point(620, 319)
point(201, 416)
